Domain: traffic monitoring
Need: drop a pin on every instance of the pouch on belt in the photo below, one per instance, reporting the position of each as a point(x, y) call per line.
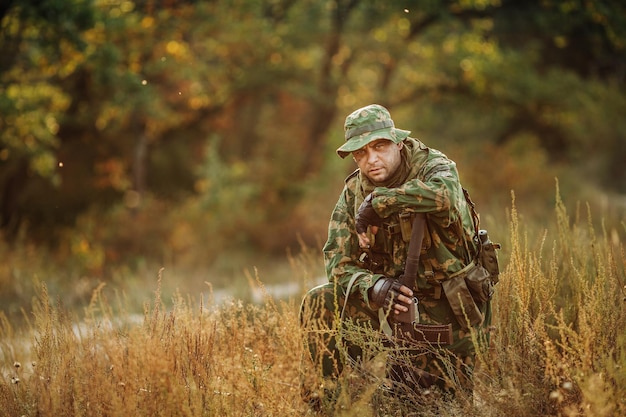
point(461, 301)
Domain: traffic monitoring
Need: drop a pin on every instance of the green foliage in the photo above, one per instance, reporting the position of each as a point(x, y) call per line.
point(38, 40)
point(113, 106)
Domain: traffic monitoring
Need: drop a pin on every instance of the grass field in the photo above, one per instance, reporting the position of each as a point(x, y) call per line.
point(559, 348)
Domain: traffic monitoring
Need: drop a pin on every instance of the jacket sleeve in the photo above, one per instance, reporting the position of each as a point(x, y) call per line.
point(341, 250)
point(439, 194)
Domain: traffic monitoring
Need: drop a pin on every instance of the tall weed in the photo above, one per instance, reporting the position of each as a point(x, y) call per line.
point(560, 315)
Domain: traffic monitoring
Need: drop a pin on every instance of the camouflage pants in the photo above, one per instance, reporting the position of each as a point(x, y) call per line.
point(338, 333)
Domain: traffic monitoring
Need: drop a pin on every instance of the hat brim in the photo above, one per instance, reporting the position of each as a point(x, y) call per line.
point(357, 142)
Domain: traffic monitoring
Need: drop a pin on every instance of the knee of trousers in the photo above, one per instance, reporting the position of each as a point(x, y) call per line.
point(320, 301)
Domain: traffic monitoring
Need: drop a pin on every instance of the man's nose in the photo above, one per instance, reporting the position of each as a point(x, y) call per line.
point(371, 156)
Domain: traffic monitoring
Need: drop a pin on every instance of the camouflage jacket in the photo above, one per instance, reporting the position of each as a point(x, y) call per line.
point(433, 188)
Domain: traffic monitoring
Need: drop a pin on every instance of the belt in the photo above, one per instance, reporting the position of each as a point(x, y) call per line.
point(437, 277)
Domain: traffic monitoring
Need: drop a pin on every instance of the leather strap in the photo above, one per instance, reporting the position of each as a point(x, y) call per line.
point(435, 334)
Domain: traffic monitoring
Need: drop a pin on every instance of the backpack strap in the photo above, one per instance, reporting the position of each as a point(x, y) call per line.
point(475, 222)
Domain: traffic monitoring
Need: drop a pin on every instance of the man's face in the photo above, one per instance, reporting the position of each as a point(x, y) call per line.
point(379, 159)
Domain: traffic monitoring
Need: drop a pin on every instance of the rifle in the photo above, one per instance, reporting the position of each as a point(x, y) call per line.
point(405, 326)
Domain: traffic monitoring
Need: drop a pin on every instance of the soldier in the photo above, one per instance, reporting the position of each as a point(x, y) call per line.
point(366, 251)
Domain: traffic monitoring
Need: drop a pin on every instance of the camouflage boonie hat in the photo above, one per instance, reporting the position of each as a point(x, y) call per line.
point(367, 124)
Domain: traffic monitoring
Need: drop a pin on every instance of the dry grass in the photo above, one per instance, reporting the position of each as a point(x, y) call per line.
point(559, 348)
point(188, 361)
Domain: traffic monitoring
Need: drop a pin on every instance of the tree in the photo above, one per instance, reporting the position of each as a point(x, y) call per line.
point(128, 97)
point(39, 40)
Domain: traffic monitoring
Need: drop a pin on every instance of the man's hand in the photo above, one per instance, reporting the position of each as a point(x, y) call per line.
point(366, 216)
point(388, 292)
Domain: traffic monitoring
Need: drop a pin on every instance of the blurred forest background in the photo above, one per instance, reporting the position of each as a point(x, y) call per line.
point(200, 136)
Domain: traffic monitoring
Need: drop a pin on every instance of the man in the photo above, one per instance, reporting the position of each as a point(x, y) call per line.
point(366, 251)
